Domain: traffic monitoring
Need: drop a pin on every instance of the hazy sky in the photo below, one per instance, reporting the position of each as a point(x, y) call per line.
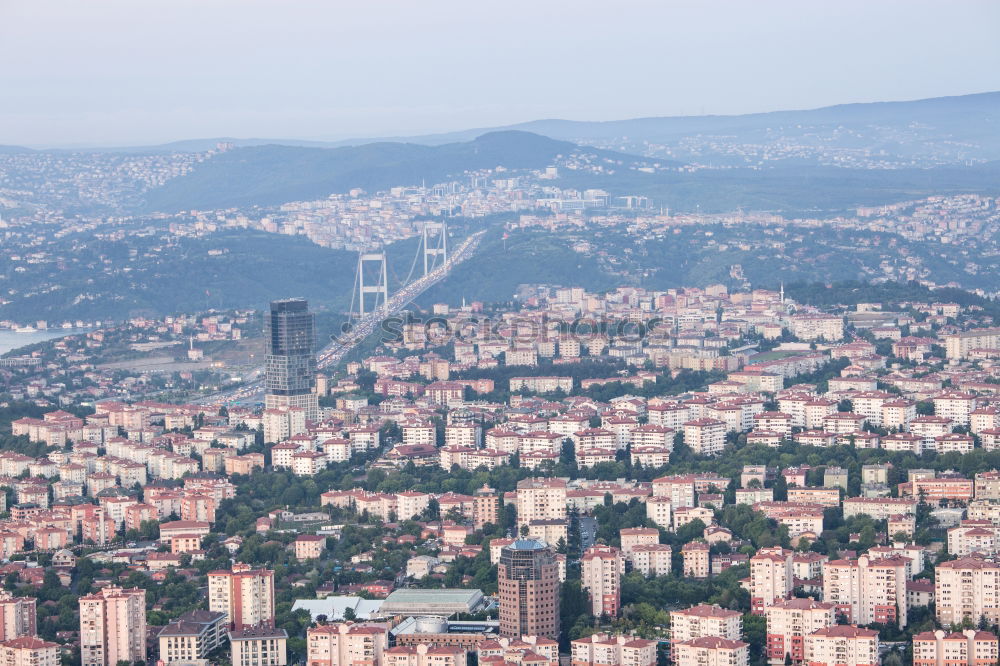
point(116, 72)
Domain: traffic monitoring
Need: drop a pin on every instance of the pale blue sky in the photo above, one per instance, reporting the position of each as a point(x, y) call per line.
point(117, 72)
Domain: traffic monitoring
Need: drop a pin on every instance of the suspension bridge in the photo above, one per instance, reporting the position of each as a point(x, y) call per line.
point(371, 302)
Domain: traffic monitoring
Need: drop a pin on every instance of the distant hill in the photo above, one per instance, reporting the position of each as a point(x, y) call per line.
point(500, 265)
point(975, 116)
point(10, 150)
point(270, 175)
point(702, 255)
point(965, 116)
point(828, 159)
point(202, 145)
point(792, 190)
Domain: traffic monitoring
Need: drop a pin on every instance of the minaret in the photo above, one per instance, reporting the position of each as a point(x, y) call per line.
point(782, 293)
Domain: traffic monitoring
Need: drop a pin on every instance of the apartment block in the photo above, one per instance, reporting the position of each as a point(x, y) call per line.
point(540, 499)
point(966, 648)
point(705, 620)
point(815, 327)
point(113, 626)
point(789, 622)
point(680, 490)
point(612, 650)
point(868, 590)
point(346, 644)
point(651, 559)
point(771, 577)
point(955, 405)
point(601, 571)
point(973, 536)
point(842, 645)
point(423, 655)
point(258, 646)
point(17, 616)
point(29, 651)
point(634, 536)
point(706, 437)
point(660, 511)
point(696, 559)
point(711, 651)
point(967, 589)
point(959, 345)
point(243, 594)
point(192, 636)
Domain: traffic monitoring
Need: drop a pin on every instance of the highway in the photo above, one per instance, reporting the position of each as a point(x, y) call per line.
point(331, 355)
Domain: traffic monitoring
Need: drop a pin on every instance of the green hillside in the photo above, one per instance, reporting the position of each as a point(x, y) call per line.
point(270, 175)
point(253, 268)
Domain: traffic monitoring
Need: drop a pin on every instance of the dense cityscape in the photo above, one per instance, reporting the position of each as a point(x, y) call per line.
point(533, 334)
point(625, 477)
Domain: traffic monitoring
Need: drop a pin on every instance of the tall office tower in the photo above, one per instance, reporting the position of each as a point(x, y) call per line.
point(245, 595)
point(529, 590)
point(113, 627)
point(290, 359)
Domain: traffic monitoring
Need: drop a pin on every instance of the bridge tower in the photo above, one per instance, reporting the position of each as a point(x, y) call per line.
point(381, 286)
point(435, 242)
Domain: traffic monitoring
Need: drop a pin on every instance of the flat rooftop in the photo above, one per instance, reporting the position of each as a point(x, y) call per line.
point(432, 602)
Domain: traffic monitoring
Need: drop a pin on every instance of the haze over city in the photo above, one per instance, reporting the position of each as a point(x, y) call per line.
point(125, 73)
point(511, 334)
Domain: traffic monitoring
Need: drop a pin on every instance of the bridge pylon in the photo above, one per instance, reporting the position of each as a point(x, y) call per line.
point(435, 242)
point(381, 286)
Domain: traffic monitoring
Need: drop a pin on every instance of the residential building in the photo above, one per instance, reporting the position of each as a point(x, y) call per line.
point(29, 651)
point(789, 622)
point(711, 651)
point(258, 646)
point(842, 645)
point(868, 590)
point(965, 648)
point(423, 655)
point(346, 644)
point(659, 510)
point(705, 620)
point(651, 559)
point(601, 571)
point(540, 499)
point(245, 595)
point(771, 577)
point(614, 650)
point(192, 636)
point(113, 626)
point(696, 559)
point(967, 589)
point(309, 546)
point(973, 536)
point(17, 616)
point(705, 436)
point(634, 536)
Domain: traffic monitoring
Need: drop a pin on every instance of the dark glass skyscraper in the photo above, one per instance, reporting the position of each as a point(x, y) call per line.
point(290, 358)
